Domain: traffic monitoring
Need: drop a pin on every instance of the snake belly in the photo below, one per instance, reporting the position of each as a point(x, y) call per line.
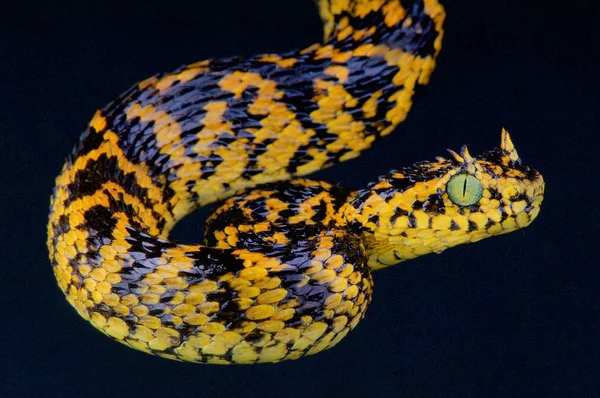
point(180, 140)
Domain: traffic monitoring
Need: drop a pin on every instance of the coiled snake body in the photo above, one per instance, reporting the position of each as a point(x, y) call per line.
point(285, 269)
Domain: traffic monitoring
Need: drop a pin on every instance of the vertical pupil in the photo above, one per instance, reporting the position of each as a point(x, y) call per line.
point(465, 187)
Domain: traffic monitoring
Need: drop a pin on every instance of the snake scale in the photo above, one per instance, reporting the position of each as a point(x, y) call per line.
point(286, 265)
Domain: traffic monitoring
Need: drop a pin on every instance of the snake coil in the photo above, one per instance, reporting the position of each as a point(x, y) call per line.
point(285, 268)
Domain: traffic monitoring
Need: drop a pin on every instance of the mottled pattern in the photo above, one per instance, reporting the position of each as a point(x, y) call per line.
point(285, 270)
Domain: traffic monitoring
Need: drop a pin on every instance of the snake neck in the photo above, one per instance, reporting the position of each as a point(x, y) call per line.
point(395, 222)
point(359, 215)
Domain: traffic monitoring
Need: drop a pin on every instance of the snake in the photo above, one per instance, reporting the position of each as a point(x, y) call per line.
point(285, 268)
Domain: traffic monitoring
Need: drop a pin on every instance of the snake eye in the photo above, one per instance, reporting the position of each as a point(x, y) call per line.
point(464, 189)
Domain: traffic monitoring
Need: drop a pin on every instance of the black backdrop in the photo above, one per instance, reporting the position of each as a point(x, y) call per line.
point(513, 315)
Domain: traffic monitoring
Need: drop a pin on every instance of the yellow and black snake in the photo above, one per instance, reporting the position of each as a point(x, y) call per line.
point(285, 269)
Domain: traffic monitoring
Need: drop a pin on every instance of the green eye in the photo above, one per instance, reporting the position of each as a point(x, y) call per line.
point(464, 189)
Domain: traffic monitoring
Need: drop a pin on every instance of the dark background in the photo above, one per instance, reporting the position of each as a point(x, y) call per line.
point(512, 315)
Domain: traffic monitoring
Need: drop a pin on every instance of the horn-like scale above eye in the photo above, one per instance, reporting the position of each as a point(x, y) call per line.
point(464, 189)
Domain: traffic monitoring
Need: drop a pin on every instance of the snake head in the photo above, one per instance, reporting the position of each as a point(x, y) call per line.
point(431, 206)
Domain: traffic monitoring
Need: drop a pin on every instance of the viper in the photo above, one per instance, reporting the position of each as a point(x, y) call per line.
point(286, 266)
